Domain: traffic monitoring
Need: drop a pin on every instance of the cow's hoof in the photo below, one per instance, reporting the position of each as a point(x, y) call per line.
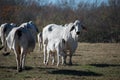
point(70, 64)
point(19, 70)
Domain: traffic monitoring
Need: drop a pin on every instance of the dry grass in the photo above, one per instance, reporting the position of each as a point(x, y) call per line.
point(96, 61)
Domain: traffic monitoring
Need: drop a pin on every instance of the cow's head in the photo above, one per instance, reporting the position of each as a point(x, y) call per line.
point(13, 24)
point(32, 25)
point(77, 26)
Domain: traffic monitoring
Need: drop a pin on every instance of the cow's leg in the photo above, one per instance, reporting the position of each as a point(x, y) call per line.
point(5, 47)
point(23, 57)
point(2, 41)
point(48, 55)
point(58, 60)
point(70, 59)
point(53, 58)
point(63, 60)
point(63, 57)
point(41, 46)
point(18, 61)
point(45, 50)
point(58, 57)
point(23, 61)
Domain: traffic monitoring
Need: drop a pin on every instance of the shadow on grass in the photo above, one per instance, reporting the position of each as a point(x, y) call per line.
point(1, 47)
point(77, 55)
point(46, 69)
point(15, 68)
point(8, 67)
point(105, 65)
point(75, 73)
point(28, 68)
point(6, 53)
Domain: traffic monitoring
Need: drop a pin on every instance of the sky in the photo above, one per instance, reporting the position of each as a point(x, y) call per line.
point(77, 1)
point(74, 4)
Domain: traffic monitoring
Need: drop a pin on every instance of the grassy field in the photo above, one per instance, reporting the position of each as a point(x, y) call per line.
point(95, 61)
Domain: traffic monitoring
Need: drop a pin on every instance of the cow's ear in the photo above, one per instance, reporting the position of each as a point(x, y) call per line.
point(84, 28)
point(73, 27)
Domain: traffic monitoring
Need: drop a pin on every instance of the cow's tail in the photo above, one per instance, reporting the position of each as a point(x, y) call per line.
point(18, 34)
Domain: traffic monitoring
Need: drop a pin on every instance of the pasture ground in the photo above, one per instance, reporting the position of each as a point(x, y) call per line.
point(92, 61)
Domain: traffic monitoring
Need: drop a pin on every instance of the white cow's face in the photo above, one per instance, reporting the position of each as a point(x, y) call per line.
point(78, 27)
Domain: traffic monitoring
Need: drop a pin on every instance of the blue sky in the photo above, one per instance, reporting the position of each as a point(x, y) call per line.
point(77, 1)
point(74, 4)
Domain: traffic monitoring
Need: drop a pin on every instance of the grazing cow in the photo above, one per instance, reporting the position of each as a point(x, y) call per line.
point(21, 41)
point(39, 36)
point(56, 46)
point(69, 33)
point(4, 31)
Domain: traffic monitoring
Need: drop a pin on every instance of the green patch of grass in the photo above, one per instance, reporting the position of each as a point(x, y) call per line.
point(91, 62)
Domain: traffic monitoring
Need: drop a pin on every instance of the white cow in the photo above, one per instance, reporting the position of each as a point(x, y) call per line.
point(4, 31)
point(69, 33)
point(56, 46)
point(40, 40)
point(21, 41)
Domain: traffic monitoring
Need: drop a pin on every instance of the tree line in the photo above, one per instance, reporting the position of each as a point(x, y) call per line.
point(102, 20)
